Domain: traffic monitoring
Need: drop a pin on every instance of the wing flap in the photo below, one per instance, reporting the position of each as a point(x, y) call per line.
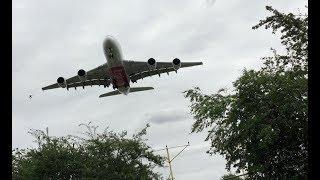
point(144, 74)
point(89, 82)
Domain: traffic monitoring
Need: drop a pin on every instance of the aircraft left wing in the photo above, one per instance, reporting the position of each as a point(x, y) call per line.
point(96, 76)
point(140, 69)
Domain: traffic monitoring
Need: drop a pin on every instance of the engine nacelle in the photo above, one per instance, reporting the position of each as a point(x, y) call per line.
point(82, 75)
point(152, 63)
point(176, 63)
point(62, 82)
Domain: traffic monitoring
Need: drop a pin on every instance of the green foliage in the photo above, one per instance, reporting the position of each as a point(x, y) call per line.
point(108, 155)
point(294, 36)
point(230, 177)
point(261, 127)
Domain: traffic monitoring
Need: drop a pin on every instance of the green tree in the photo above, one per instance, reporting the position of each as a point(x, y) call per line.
point(261, 125)
point(107, 155)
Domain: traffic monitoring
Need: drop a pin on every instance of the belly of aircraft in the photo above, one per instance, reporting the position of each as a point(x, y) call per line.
point(119, 76)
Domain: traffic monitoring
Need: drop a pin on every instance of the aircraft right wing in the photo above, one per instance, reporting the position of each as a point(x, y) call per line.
point(140, 69)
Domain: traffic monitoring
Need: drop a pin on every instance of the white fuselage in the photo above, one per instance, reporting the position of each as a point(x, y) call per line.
point(116, 70)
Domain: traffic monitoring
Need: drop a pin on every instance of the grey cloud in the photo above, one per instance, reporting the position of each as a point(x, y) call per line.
point(210, 2)
point(167, 116)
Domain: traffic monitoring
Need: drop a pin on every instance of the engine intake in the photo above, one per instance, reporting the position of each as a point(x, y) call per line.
point(82, 75)
point(61, 82)
point(176, 63)
point(152, 63)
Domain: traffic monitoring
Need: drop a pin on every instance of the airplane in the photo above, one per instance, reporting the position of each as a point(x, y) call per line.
point(119, 72)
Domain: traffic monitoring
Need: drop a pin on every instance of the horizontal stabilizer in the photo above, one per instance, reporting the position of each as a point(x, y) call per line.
point(112, 93)
point(134, 89)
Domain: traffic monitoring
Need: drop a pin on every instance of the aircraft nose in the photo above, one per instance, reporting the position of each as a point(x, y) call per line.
point(109, 41)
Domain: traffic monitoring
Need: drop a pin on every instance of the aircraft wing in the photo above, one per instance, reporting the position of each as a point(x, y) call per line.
point(140, 69)
point(96, 76)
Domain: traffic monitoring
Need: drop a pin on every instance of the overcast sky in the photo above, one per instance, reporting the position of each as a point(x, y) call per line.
point(57, 38)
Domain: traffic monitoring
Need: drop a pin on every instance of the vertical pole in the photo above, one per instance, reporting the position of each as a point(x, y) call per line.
point(47, 129)
point(169, 161)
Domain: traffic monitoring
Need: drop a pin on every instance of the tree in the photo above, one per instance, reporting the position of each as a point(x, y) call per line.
point(261, 126)
point(107, 155)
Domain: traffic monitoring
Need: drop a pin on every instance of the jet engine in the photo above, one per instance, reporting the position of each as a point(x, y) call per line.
point(61, 82)
point(176, 63)
point(82, 75)
point(152, 63)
